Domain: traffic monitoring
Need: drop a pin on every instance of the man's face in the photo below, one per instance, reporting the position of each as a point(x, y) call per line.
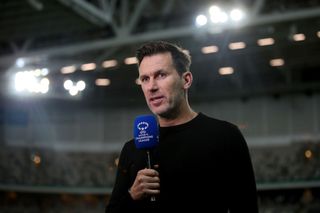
point(161, 84)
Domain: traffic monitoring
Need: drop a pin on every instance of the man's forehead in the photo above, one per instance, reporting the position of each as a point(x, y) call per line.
point(155, 62)
point(156, 57)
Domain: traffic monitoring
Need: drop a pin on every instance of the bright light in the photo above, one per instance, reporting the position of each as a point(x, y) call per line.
point(201, 20)
point(265, 41)
point(277, 62)
point(44, 71)
point(220, 17)
point(209, 49)
point(236, 15)
point(72, 88)
point(131, 60)
point(217, 15)
point(28, 81)
point(226, 71)
point(299, 37)
point(81, 85)
point(45, 81)
point(102, 82)
point(44, 90)
point(68, 69)
point(73, 91)
point(308, 154)
point(214, 10)
point(318, 34)
point(36, 159)
point(68, 84)
point(20, 62)
point(19, 82)
point(223, 17)
point(109, 63)
point(237, 45)
point(37, 72)
point(44, 85)
point(88, 67)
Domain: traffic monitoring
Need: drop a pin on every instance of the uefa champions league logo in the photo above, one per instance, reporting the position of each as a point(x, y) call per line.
point(145, 132)
point(143, 135)
point(142, 126)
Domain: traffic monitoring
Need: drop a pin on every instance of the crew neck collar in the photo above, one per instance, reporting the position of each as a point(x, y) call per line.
point(182, 126)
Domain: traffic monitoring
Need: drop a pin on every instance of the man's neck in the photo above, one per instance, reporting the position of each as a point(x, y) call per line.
point(182, 118)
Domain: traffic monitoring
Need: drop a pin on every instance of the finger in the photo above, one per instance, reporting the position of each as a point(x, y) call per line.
point(152, 191)
point(150, 172)
point(144, 187)
point(149, 179)
point(147, 173)
point(152, 186)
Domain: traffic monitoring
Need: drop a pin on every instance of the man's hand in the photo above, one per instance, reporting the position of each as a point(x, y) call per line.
point(147, 183)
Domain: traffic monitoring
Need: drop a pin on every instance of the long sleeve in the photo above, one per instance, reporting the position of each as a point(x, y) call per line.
point(242, 190)
point(120, 197)
point(131, 160)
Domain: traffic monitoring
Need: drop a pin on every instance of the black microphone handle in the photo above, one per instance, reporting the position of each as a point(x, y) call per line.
point(152, 198)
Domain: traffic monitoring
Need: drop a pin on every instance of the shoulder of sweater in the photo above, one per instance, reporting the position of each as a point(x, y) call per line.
point(216, 121)
point(128, 145)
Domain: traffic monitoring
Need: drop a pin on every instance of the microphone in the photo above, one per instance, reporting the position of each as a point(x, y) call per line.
point(146, 136)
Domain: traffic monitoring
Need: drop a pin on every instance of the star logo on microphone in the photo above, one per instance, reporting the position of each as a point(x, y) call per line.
point(142, 126)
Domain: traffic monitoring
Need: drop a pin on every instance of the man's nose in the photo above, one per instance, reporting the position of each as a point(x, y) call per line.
point(152, 85)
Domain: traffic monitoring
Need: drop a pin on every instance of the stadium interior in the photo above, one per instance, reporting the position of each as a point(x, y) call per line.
point(69, 93)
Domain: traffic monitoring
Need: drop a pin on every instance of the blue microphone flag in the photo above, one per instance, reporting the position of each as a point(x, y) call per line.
point(146, 132)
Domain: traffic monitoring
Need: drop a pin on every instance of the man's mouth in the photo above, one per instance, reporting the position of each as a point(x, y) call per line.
point(156, 100)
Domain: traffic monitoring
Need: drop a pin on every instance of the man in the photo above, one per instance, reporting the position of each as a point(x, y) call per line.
point(201, 164)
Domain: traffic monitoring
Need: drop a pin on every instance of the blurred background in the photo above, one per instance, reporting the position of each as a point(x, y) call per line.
point(69, 93)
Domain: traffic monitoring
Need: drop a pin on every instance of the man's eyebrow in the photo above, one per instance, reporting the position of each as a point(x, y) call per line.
point(153, 73)
point(159, 71)
point(141, 76)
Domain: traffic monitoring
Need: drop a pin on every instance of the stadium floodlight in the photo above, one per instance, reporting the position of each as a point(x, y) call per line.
point(20, 62)
point(214, 10)
point(68, 84)
point(44, 85)
point(217, 15)
point(28, 81)
point(73, 91)
point(236, 15)
point(201, 20)
point(81, 85)
point(74, 88)
point(220, 16)
point(44, 71)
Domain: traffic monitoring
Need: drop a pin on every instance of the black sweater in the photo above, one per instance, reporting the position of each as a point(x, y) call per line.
point(204, 164)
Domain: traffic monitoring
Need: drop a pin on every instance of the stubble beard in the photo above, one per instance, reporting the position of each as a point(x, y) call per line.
point(172, 109)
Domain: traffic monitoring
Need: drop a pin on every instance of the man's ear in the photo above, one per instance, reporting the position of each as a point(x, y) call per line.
point(187, 78)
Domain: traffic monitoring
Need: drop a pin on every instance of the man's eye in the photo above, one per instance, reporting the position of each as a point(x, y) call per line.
point(162, 75)
point(143, 79)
